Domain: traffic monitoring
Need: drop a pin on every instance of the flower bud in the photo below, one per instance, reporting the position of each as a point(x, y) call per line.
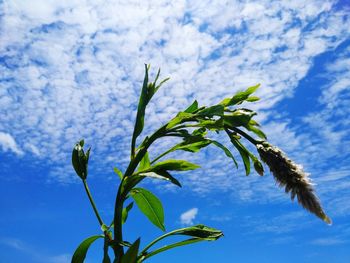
point(80, 160)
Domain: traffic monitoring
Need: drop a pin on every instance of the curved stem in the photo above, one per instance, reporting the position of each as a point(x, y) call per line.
point(163, 154)
point(160, 238)
point(245, 135)
point(177, 244)
point(92, 202)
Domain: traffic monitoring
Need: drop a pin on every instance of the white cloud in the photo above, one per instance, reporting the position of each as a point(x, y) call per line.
point(32, 253)
point(187, 217)
point(74, 69)
point(8, 143)
point(327, 241)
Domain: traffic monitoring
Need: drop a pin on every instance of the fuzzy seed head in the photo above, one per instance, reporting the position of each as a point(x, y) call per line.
point(292, 177)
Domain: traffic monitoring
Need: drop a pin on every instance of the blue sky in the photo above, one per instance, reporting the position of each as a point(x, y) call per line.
point(73, 69)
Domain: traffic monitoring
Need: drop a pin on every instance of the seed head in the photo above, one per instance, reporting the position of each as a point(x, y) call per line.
point(292, 177)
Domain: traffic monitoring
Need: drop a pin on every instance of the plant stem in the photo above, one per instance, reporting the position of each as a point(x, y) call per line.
point(245, 135)
point(120, 198)
point(92, 202)
point(163, 154)
point(160, 238)
point(167, 247)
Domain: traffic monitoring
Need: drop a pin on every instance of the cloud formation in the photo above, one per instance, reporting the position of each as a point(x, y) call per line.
point(8, 143)
point(186, 218)
point(73, 69)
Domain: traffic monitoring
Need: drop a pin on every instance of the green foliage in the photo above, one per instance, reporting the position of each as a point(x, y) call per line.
point(194, 126)
point(131, 255)
point(80, 253)
point(80, 160)
point(149, 205)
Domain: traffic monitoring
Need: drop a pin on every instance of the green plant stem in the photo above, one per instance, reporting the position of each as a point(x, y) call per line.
point(245, 135)
point(167, 247)
point(163, 154)
point(121, 196)
point(92, 202)
point(160, 238)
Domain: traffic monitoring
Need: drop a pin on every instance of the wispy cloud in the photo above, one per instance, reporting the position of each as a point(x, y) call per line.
point(186, 218)
point(8, 143)
point(32, 253)
point(327, 241)
point(73, 69)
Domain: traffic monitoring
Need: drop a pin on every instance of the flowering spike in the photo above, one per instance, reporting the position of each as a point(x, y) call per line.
point(292, 177)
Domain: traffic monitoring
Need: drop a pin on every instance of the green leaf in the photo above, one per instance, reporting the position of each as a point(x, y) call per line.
point(240, 96)
point(118, 172)
point(199, 231)
point(193, 147)
point(252, 99)
point(125, 212)
point(80, 253)
point(216, 125)
point(240, 117)
point(216, 110)
point(149, 205)
point(244, 154)
point(256, 130)
point(163, 175)
point(193, 107)
point(258, 167)
point(173, 165)
point(143, 101)
point(145, 162)
point(226, 151)
point(171, 246)
point(131, 255)
point(193, 142)
point(180, 118)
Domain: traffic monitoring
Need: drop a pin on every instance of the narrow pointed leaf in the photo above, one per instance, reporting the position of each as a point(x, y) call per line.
point(199, 231)
point(257, 131)
point(226, 151)
point(145, 162)
point(180, 118)
point(131, 255)
point(240, 96)
point(125, 212)
point(163, 175)
point(258, 167)
point(252, 99)
point(140, 116)
point(193, 147)
point(193, 107)
point(118, 172)
point(244, 154)
point(80, 253)
point(216, 110)
point(174, 165)
point(149, 205)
